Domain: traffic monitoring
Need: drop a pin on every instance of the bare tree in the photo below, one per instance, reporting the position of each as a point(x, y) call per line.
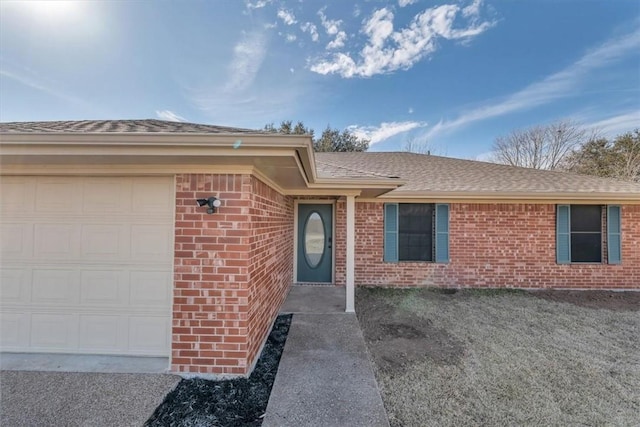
point(541, 147)
point(416, 145)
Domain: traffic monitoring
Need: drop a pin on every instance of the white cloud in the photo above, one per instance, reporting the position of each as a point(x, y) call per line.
point(331, 26)
point(310, 28)
point(410, 110)
point(248, 55)
point(356, 10)
point(403, 3)
point(387, 50)
point(338, 42)
point(618, 124)
point(259, 4)
point(386, 130)
point(558, 85)
point(291, 38)
point(287, 16)
point(473, 10)
point(170, 116)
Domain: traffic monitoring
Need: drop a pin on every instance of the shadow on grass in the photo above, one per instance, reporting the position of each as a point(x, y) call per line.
point(237, 402)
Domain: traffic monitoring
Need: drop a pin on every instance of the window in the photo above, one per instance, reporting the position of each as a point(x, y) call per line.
point(580, 234)
point(586, 233)
point(416, 232)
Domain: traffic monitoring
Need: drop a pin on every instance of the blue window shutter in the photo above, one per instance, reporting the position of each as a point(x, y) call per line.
point(442, 233)
point(391, 232)
point(614, 241)
point(563, 234)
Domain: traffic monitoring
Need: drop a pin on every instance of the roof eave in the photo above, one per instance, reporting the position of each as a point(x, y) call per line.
point(154, 138)
point(501, 196)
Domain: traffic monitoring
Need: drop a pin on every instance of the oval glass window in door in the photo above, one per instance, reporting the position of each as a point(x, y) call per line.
point(314, 238)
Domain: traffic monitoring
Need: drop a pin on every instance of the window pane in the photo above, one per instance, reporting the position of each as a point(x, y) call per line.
point(586, 247)
point(415, 232)
point(314, 239)
point(586, 218)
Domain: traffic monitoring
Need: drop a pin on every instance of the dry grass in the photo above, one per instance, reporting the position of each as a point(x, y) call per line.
point(516, 359)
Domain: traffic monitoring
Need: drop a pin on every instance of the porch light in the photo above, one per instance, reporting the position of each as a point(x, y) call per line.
point(212, 202)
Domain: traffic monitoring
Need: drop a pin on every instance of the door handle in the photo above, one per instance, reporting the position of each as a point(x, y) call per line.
point(329, 240)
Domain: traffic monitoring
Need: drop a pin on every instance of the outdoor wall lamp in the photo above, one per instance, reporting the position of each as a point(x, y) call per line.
point(212, 202)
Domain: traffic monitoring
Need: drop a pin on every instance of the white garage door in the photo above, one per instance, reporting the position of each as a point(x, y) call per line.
point(86, 264)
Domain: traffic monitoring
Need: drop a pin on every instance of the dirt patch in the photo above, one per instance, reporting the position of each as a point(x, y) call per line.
point(608, 300)
point(398, 339)
point(238, 402)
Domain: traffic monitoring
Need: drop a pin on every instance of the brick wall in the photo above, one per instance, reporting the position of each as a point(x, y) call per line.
point(271, 254)
point(231, 272)
point(493, 245)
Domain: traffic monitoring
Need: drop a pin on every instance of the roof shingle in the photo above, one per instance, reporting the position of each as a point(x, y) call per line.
point(118, 126)
point(422, 174)
point(427, 173)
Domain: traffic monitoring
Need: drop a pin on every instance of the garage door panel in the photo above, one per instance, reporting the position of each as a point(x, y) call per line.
point(149, 195)
point(106, 196)
point(148, 243)
point(17, 194)
point(58, 195)
point(88, 268)
point(102, 333)
point(15, 285)
point(148, 335)
point(150, 289)
point(17, 240)
point(55, 287)
point(105, 242)
point(14, 328)
point(57, 241)
point(55, 332)
point(103, 288)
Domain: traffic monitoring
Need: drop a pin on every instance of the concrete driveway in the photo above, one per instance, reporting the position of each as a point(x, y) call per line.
point(30, 398)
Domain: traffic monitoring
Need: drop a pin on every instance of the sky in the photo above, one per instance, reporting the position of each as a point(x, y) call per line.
point(449, 74)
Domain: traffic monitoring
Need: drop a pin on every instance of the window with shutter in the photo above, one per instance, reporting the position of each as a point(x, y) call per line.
point(579, 234)
point(416, 232)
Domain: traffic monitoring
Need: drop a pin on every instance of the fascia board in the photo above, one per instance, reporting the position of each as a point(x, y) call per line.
point(515, 196)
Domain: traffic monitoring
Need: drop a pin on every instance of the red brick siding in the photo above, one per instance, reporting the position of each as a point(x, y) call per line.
point(493, 245)
point(211, 276)
point(271, 254)
point(232, 270)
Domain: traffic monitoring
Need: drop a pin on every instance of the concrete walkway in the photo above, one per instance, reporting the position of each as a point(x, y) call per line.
point(325, 377)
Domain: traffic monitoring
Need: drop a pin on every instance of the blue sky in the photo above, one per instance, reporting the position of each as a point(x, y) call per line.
point(456, 73)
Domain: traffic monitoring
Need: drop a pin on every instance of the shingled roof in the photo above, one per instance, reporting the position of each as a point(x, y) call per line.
point(118, 126)
point(434, 174)
point(421, 174)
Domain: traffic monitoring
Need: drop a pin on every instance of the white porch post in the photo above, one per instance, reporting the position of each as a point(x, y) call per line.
point(351, 251)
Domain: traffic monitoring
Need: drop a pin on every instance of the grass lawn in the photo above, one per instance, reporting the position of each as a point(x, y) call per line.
point(486, 357)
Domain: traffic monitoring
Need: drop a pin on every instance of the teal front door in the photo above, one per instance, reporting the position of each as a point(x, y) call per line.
point(315, 242)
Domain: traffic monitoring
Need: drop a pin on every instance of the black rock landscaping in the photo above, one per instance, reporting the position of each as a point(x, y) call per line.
point(237, 402)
